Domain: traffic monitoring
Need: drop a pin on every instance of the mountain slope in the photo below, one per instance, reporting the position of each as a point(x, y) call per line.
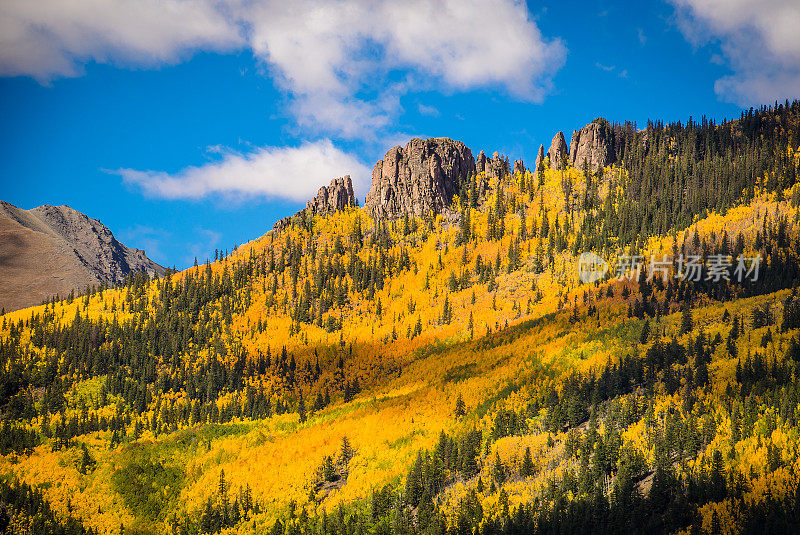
point(449, 372)
point(53, 250)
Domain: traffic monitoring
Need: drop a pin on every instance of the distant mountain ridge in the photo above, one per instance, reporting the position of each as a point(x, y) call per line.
point(53, 250)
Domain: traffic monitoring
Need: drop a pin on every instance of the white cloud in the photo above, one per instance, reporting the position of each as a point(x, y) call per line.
point(294, 173)
point(327, 54)
point(430, 111)
point(48, 39)
point(332, 57)
point(759, 41)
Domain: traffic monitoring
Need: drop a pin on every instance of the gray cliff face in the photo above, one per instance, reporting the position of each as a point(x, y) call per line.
point(338, 195)
point(94, 244)
point(53, 250)
point(494, 167)
point(592, 145)
point(420, 178)
point(558, 151)
point(539, 157)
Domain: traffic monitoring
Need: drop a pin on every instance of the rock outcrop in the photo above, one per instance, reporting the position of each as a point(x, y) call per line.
point(592, 145)
point(481, 163)
point(283, 222)
point(338, 195)
point(519, 167)
point(558, 152)
point(54, 249)
point(489, 168)
point(420, 178)
point(494, 167)
point(539, 158)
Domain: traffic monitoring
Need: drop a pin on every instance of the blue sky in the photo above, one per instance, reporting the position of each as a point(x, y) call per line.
point(186, 126)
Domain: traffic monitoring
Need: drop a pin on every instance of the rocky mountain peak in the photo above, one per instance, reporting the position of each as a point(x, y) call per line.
point(338, 195)
point(55, 249)
point(539, 157)
point(558, 152)
point(420, 178)
point(592, 145)
point(95, 244)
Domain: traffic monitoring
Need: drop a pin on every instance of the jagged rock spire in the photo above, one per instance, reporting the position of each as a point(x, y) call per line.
point(558, 152)
point(420, 178)
point(336, 196)
point(539, 157)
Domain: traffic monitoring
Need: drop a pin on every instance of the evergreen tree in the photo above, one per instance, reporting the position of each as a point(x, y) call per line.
point(461, 408)
point(687, 322)
point(527, 464)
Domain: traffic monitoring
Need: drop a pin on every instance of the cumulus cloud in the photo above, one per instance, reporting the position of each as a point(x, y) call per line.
point(47, 39)
point(326, 53)
point(293, 173)
point(759, 41)
point(332, 57)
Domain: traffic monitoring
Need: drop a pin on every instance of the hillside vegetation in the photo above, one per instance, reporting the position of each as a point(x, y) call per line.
point(442, 374)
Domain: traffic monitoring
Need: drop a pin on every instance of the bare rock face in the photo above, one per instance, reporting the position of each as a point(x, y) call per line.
point(498, 166)
point(494, 167)
point(420, 178)
point(54, 249)
point(592, 145)
point(283, 222)
point(558, 151)
point(519, 167)
point(539, 157)
point(95, 245)
point(336, 196)
point(480, 163)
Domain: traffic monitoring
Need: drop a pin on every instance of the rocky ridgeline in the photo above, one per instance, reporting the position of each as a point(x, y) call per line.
point(420, 178)
point(338, 195)
point(494, 167)
point(53, 250)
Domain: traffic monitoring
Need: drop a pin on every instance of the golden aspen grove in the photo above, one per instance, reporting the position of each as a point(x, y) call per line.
point(445, 372)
